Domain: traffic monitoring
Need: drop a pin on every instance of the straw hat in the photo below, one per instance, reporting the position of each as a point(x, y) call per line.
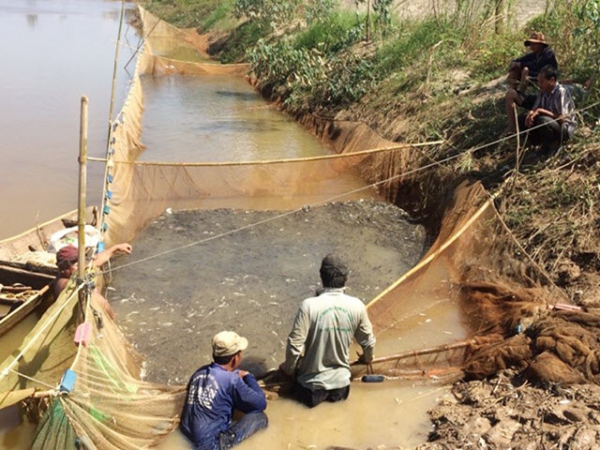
point(536, 38)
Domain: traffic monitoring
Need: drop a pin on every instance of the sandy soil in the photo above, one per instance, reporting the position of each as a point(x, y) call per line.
point(520, 11)
point(248, 279)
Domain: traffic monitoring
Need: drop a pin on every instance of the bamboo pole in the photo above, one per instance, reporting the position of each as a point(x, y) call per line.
point(110, 113)
point(83, 138)
point(435, 254)
point(425, 351)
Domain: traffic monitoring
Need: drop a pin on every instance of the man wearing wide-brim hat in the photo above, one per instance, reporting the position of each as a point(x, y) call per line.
point(523, 69)
point(218, 389)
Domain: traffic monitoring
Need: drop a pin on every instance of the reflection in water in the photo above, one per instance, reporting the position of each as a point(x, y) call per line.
point(217, 118)
point(247, 96)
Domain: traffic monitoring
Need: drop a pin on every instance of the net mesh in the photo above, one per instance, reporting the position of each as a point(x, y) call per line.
point(473, 264)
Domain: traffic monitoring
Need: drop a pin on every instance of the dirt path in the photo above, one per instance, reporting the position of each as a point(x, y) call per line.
point(250, 281)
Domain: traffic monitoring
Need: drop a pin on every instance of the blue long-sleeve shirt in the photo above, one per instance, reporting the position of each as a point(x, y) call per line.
point(213, 394)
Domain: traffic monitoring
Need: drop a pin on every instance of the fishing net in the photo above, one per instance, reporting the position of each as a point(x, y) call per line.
point(513, 315)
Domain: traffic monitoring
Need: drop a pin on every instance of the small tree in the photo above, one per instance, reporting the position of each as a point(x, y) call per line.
point(588, 31)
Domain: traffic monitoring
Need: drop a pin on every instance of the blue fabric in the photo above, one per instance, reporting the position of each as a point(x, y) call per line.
point(213, 394)
point(243, 429)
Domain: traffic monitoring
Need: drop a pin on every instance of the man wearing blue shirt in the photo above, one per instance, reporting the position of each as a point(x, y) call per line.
point(215, 391)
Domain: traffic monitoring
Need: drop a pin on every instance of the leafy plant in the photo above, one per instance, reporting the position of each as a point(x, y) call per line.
point(588, 30)
point(330, 34)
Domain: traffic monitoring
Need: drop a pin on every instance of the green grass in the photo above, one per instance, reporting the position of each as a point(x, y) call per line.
point(412, 43)
point(330, 34)
point(220, 17)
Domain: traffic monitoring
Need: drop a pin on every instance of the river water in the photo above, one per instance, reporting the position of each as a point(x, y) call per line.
point(70, 47)
point(53, 53)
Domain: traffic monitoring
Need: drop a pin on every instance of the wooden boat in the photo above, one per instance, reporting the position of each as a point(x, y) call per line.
point(26, 285)
point(22, 291)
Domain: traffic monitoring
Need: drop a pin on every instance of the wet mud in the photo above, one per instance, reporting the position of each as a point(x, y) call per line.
point(195, 273)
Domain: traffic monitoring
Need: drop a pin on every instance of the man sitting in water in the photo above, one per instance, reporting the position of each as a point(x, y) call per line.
point(215, 391)
point(66, 261)
point(523, 69)
point(323, 331)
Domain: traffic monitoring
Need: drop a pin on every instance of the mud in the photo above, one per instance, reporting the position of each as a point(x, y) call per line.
point(250, 270)
point(507, 412)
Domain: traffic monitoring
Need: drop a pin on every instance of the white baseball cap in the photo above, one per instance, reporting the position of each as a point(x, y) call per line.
point(227, 343)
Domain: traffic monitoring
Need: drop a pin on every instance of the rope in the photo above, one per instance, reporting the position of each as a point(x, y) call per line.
point(32, 379)
point(142, 39)
point(279, 216)
point(275, 161)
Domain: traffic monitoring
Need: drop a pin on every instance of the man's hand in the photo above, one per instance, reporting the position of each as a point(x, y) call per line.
point(243, 373)
point(361, 359)
point(283, 372)
point(531, 115)
point(124, 248)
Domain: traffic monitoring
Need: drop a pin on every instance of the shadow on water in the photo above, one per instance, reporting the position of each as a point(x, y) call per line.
point(244, 96)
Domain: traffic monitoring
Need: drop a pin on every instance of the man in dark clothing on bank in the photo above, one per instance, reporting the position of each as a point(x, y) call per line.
point(215, 391)
point(522, 71)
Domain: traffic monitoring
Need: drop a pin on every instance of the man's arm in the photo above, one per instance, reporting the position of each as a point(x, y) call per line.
point(295, 343)
point(103, 257)
point(248, 396)
point(365, 337)
point(562, 106)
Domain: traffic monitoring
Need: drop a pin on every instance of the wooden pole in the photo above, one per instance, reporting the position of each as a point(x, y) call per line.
point(425, 351)
point(368, 28)
point(83, 138)
point(110, 111)
point(499, 24)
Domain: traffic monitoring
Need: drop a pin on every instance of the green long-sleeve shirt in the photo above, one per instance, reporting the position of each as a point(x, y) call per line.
point(323, 331)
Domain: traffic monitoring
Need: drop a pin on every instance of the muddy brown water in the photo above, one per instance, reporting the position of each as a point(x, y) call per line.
point(252, 281)
point(54, 53)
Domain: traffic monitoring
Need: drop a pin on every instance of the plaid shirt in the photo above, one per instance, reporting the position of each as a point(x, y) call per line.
point(560, 103)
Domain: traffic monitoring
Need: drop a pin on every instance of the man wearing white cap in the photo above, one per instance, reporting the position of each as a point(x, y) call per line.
point(215, 391)
point(324, 328)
